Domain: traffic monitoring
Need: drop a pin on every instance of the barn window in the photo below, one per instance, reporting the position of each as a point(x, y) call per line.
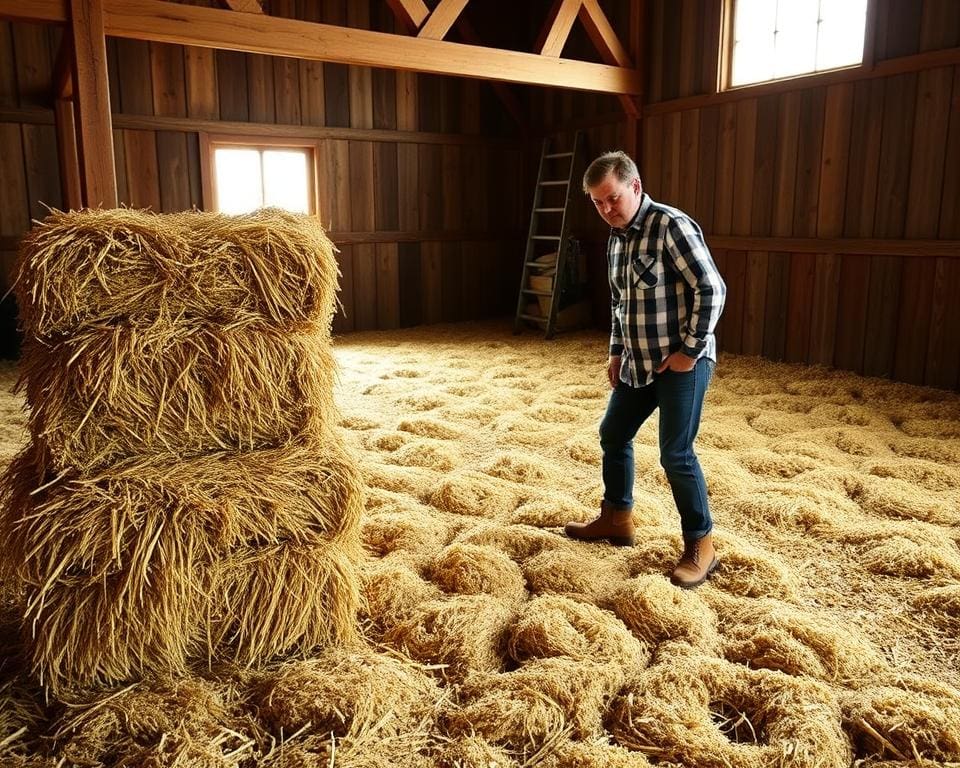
point(775, 39)
point(243, 175)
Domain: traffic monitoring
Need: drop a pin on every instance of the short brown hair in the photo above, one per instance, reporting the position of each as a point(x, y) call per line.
point(618, 162)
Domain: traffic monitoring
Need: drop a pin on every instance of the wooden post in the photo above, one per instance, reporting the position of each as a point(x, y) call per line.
point(67, 151)
point(92, 90)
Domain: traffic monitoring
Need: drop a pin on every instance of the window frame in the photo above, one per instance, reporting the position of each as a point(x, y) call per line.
point(210, 142)
point(725, 65)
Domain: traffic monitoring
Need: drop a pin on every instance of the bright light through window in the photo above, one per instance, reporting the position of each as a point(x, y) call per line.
point(249, 178)
point(784, 38)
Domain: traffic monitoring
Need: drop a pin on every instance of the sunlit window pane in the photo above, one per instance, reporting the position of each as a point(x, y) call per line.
point(785, 38)
point(842, 25)
point(285, 180)
point(239, 186)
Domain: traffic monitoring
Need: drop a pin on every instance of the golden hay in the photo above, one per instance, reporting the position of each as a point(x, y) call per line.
point(892, 497)
point(118, 567)
point(596, 754)
point(557, 627)
point(927, 474)
point(463, 633)
point(569, 571)
point(183, 723)
point(550, 510)
point(405, 528)
point(468, 492)
point(285, 599)
point(473, 569)
point(917, 719)
point(430, 428)
point(657, 612)
point(94, 266)
point(393, 592)
point(474, 752)
point(535, 703)
point(348, 693)
point(108, 392)
point(769, 634)
point(941, 606)
point(749, 571)
point(713, 714)
point(900, 556)
point(519, 542)
point(431, 454)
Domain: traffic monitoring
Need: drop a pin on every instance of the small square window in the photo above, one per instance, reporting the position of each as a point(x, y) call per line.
point(247, 176)
point(777, 39)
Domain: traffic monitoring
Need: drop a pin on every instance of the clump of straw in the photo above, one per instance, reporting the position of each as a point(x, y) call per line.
point(476, 494)
point(657, 612)
point(592, 754)
point(155, 723)
point(538, 703)
point(393, 592)
point(552, 626)
point(95, 266)
point(519, 542)
point(713, 714)
point(348, 692)
point(108, 392)
point(471, 569)
point(941, 605)
point(773, 635)
point(465, 633)
point(919, 719)
point(474, 752)
point(568, 571)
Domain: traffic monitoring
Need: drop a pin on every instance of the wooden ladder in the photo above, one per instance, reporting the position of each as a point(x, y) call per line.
point(549, 226)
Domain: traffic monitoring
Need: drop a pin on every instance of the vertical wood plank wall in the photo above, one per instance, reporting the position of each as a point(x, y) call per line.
point(431, 233)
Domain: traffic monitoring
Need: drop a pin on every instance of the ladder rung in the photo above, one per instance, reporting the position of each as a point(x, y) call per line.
point(548, 210)
point(534, 318)
point(536, 293)
point(546, 237)
point(553, 183)
point(560, 154)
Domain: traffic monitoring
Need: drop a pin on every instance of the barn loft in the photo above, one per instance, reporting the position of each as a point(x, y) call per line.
point(306, 340)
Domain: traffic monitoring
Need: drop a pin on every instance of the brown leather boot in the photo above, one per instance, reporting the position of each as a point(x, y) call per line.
point(699, 560)
point(615, 524)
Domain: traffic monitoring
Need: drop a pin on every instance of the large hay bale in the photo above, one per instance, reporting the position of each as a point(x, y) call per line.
point(132, 569)
point(111, 391)
point(95, 266)
point(713, 714)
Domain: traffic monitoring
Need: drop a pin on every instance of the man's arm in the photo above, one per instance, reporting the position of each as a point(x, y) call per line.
point(686, 249)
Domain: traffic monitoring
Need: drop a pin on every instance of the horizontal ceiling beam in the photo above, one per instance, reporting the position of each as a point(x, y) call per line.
point(165, 22)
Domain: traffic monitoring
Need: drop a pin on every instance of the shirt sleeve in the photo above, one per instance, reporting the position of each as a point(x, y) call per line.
point(616, 332)
point(686, 248)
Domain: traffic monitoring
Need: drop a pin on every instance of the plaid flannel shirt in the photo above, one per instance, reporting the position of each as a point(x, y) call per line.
point(665, 291)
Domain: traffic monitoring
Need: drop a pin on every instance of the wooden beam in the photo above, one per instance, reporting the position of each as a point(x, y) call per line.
point(245, 6)
point(63, 69)
point(941, 249)
point(611, 50)
point(35, 11)
point(557, 28)
point(214, 28)
point(93, 104)
point(442, 18)
point(66, 127)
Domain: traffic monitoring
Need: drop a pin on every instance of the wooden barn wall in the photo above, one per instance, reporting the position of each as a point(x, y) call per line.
point(833, 209)
point(420, 180)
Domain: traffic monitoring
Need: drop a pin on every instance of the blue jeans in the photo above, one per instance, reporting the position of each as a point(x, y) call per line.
point(680, 399)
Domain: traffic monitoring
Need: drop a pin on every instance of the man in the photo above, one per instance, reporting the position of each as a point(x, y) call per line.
point(666, 297)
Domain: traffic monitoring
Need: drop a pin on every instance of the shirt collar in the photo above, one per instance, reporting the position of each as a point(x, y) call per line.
point(637, 219)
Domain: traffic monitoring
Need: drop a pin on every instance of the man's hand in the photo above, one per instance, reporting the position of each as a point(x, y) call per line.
point(613, 371)
point(678, 362)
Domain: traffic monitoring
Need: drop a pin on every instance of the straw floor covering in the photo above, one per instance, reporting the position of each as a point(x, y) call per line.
point(829, 636)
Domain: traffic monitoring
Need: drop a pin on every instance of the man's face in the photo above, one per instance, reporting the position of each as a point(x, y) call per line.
point(616, 202)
